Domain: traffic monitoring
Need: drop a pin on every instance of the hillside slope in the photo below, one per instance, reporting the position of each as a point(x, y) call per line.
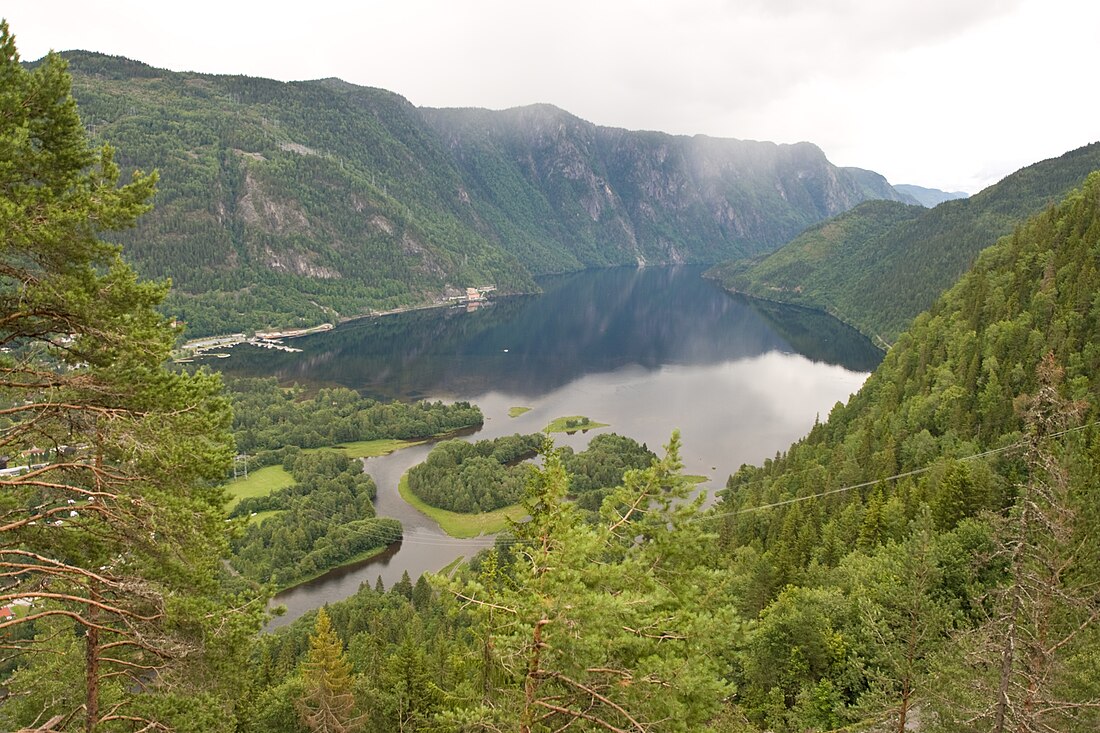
point(295, 203)
point(287, 203)
point(878, 270)
point(977, 433)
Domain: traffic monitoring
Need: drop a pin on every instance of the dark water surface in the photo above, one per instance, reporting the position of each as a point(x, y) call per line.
point(646, 350)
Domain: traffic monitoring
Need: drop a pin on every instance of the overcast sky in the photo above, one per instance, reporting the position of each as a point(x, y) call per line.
point(951, 94)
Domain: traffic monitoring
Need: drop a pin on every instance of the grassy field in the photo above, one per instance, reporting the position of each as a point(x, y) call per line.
point(457, 524)
point(561, 425)
point(451, 566)
point(261, 516)
point(373, 448)
point(263, 481)
point(260, 482)
point(517, 411)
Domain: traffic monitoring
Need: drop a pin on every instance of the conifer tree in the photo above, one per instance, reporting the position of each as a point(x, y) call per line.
point(403, 587)
point(327, 704)
point(897, 593)
point(113, 531)
point(615, 626)
point(1031, 667)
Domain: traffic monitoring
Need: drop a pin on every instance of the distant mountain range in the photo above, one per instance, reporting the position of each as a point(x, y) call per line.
point(928, 197)
point(287, 204)
point(882, 263)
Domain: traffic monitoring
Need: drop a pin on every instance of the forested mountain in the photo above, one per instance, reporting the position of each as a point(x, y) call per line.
point(944, 514)
point(879, 265)
point(570, 194)
point(283, 203)
point(298, 203)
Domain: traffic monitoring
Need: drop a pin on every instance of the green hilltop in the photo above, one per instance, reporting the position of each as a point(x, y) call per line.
point(976, 434)
point(879, 265)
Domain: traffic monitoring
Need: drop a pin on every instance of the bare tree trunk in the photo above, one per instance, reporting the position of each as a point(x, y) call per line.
point(1008, 653)
point(91, 640)
point(907, 683)
point(534, 672)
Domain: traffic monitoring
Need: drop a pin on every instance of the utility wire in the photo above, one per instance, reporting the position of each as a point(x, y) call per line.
point(486, 541)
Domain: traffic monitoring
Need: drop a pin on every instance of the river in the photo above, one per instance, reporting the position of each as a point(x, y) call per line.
point(645, 350)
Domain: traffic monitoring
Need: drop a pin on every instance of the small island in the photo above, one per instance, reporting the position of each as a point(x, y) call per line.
point(572, 423)
point(463, 525)
point(517, 411)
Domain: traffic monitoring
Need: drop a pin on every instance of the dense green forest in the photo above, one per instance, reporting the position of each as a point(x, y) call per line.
point(879, 265)
point(595, 471)
point(323, 520)
point(268, 418)
point(292, 204)
point(489, 474)
point(963, 474)
point(475, 477)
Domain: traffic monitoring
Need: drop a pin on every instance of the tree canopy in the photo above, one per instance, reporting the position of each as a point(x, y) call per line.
point(111, 527)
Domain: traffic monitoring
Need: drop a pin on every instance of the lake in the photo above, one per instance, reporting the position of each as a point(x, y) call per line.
point(645, 350)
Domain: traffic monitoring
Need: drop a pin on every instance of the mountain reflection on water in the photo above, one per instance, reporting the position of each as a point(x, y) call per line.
point(583, 323)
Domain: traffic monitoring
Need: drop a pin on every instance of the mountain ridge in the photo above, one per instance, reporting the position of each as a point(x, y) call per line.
point(878, 272)
point(929, 197)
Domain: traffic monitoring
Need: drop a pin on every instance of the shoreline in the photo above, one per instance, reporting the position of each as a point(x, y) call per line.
point(374, 551)
point(877, 341)
point(435, 305)
point(364, 555)
point(204, 345)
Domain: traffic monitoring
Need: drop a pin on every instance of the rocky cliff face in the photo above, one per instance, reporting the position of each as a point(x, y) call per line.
point(649, 196)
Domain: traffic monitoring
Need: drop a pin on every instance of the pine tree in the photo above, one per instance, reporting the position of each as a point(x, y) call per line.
point(403, 587)
point(116, 536)
point(327, 705)
point(897, 592)
point(605, 627)
point(422, 594)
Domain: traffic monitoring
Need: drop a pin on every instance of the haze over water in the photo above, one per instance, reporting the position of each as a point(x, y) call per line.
point(646, 350)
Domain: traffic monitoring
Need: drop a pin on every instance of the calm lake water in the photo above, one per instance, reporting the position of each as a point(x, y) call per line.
point(645, 350)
